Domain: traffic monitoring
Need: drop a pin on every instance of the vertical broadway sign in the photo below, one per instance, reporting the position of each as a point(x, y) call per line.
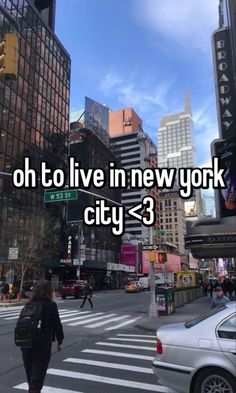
point(224, 82)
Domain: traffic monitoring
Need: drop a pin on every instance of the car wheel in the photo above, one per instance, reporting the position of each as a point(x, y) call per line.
point(63, 296)
point(213, 380)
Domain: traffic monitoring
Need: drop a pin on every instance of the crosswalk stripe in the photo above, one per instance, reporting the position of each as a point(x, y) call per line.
point(117, 366)
point(135, 335)
point(118, 354)
point(91, 319)
point(94, 325)
point(15, 317)
point(46, 389)
point(67, 312)
point(66, 315)
point(10, 314)
point(82, 317)
point(107, 380)
point(132, 340)
point(126, 346)
point(122, 324)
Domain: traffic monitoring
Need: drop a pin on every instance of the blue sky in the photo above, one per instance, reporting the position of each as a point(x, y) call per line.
point(143, 54)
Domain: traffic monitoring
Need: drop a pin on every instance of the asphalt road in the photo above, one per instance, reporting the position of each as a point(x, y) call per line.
point(102, 351)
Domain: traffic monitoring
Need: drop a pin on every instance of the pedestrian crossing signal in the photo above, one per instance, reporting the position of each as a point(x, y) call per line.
point(9, 56)
point(162, 257)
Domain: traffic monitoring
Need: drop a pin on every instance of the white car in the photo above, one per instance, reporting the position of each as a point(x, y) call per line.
point(199, 356)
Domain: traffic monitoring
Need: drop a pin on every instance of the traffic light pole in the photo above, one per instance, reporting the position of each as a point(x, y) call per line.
point(152, 308)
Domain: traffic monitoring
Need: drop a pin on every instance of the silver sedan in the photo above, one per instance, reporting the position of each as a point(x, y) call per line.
point(199, 356)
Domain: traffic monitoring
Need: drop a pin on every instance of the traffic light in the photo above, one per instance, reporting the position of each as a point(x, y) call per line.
point(9, 56)
point(162, 257)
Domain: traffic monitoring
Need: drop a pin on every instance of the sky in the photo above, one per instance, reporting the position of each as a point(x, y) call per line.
point(144, 54)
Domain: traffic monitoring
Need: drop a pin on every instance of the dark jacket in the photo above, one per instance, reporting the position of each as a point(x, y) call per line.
point(51, 324)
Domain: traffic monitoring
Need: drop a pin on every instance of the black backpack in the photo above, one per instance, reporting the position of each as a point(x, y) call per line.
point(28, 332)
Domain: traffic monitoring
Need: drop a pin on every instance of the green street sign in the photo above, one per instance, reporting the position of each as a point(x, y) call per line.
point(158, 233)
point(60, 196)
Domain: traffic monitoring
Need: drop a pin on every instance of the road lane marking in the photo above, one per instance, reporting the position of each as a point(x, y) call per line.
point(122, 324)
point(110, 381)
point(138, 340)
point(91, 319)
point(135, 335)
point(46, 389)
point(117, 366)
point(81, 317)
point(94, 325)
point(118, 354)
point(125, 346)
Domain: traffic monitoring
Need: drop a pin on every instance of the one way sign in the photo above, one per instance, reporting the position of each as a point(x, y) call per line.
point(150, 247)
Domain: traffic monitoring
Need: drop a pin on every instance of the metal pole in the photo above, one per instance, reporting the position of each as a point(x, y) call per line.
point(11, 280)
point(152, 308)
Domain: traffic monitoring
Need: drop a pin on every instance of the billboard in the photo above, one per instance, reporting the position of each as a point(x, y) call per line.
point(96, 119)
point(226, 151)
point(129, 255)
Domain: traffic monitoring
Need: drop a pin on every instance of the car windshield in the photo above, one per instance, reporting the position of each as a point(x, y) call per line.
point(202, 317)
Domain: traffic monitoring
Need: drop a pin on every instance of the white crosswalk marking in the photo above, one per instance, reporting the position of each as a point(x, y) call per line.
point(118, 354)
point(91, 320)
point(103, 370)
point(107, 380)
point(135, 335)
point(132, 340)
point(117, 366)
point(94, 325)
point(81, 317)
point(77, 317)
point(125, 346)
point(123, 324)
point(47, 389)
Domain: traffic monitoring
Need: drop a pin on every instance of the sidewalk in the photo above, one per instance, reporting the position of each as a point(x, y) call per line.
point(182, 314)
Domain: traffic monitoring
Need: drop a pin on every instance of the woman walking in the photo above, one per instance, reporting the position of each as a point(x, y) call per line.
point(36, 359)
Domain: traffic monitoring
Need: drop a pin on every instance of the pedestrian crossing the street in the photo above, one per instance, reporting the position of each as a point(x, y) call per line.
point(88, 319)
point(105, 369)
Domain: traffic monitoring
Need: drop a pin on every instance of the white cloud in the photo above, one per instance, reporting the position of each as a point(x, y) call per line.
point(189, 23)
point(149, 97)
point(109, 82)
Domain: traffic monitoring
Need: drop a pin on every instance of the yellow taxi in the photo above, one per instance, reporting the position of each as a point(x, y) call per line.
point(133, 286)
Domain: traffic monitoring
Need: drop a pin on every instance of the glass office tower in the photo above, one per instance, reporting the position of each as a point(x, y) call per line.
point(34, 116)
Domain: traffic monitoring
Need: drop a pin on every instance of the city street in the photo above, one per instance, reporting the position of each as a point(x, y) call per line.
point(102, 351)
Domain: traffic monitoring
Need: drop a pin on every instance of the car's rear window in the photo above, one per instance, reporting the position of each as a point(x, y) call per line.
point(202, 317)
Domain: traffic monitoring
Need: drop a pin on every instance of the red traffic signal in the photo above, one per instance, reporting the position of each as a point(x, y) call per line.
point(162, 257)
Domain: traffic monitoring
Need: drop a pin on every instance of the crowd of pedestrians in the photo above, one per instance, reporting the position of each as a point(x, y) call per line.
point(227, 286)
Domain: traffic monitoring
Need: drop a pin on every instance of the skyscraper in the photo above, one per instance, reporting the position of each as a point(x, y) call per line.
point(34, 114)
point(133, 149)
point(175, 139)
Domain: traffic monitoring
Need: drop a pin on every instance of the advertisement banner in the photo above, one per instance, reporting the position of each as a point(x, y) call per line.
point(129, 255)
point(226, 151)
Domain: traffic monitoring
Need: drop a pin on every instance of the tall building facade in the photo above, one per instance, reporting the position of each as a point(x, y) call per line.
point(172, 218)
point(34, 114)
point(94, 248)
point(133, 149)
point(176, 147)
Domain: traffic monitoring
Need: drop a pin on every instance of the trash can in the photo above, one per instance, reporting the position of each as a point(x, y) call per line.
point(164, 300)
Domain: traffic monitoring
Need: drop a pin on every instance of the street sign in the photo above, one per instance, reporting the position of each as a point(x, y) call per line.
point(13, 253)
point(60, 196)
point(150, 247)
point(158, 233)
